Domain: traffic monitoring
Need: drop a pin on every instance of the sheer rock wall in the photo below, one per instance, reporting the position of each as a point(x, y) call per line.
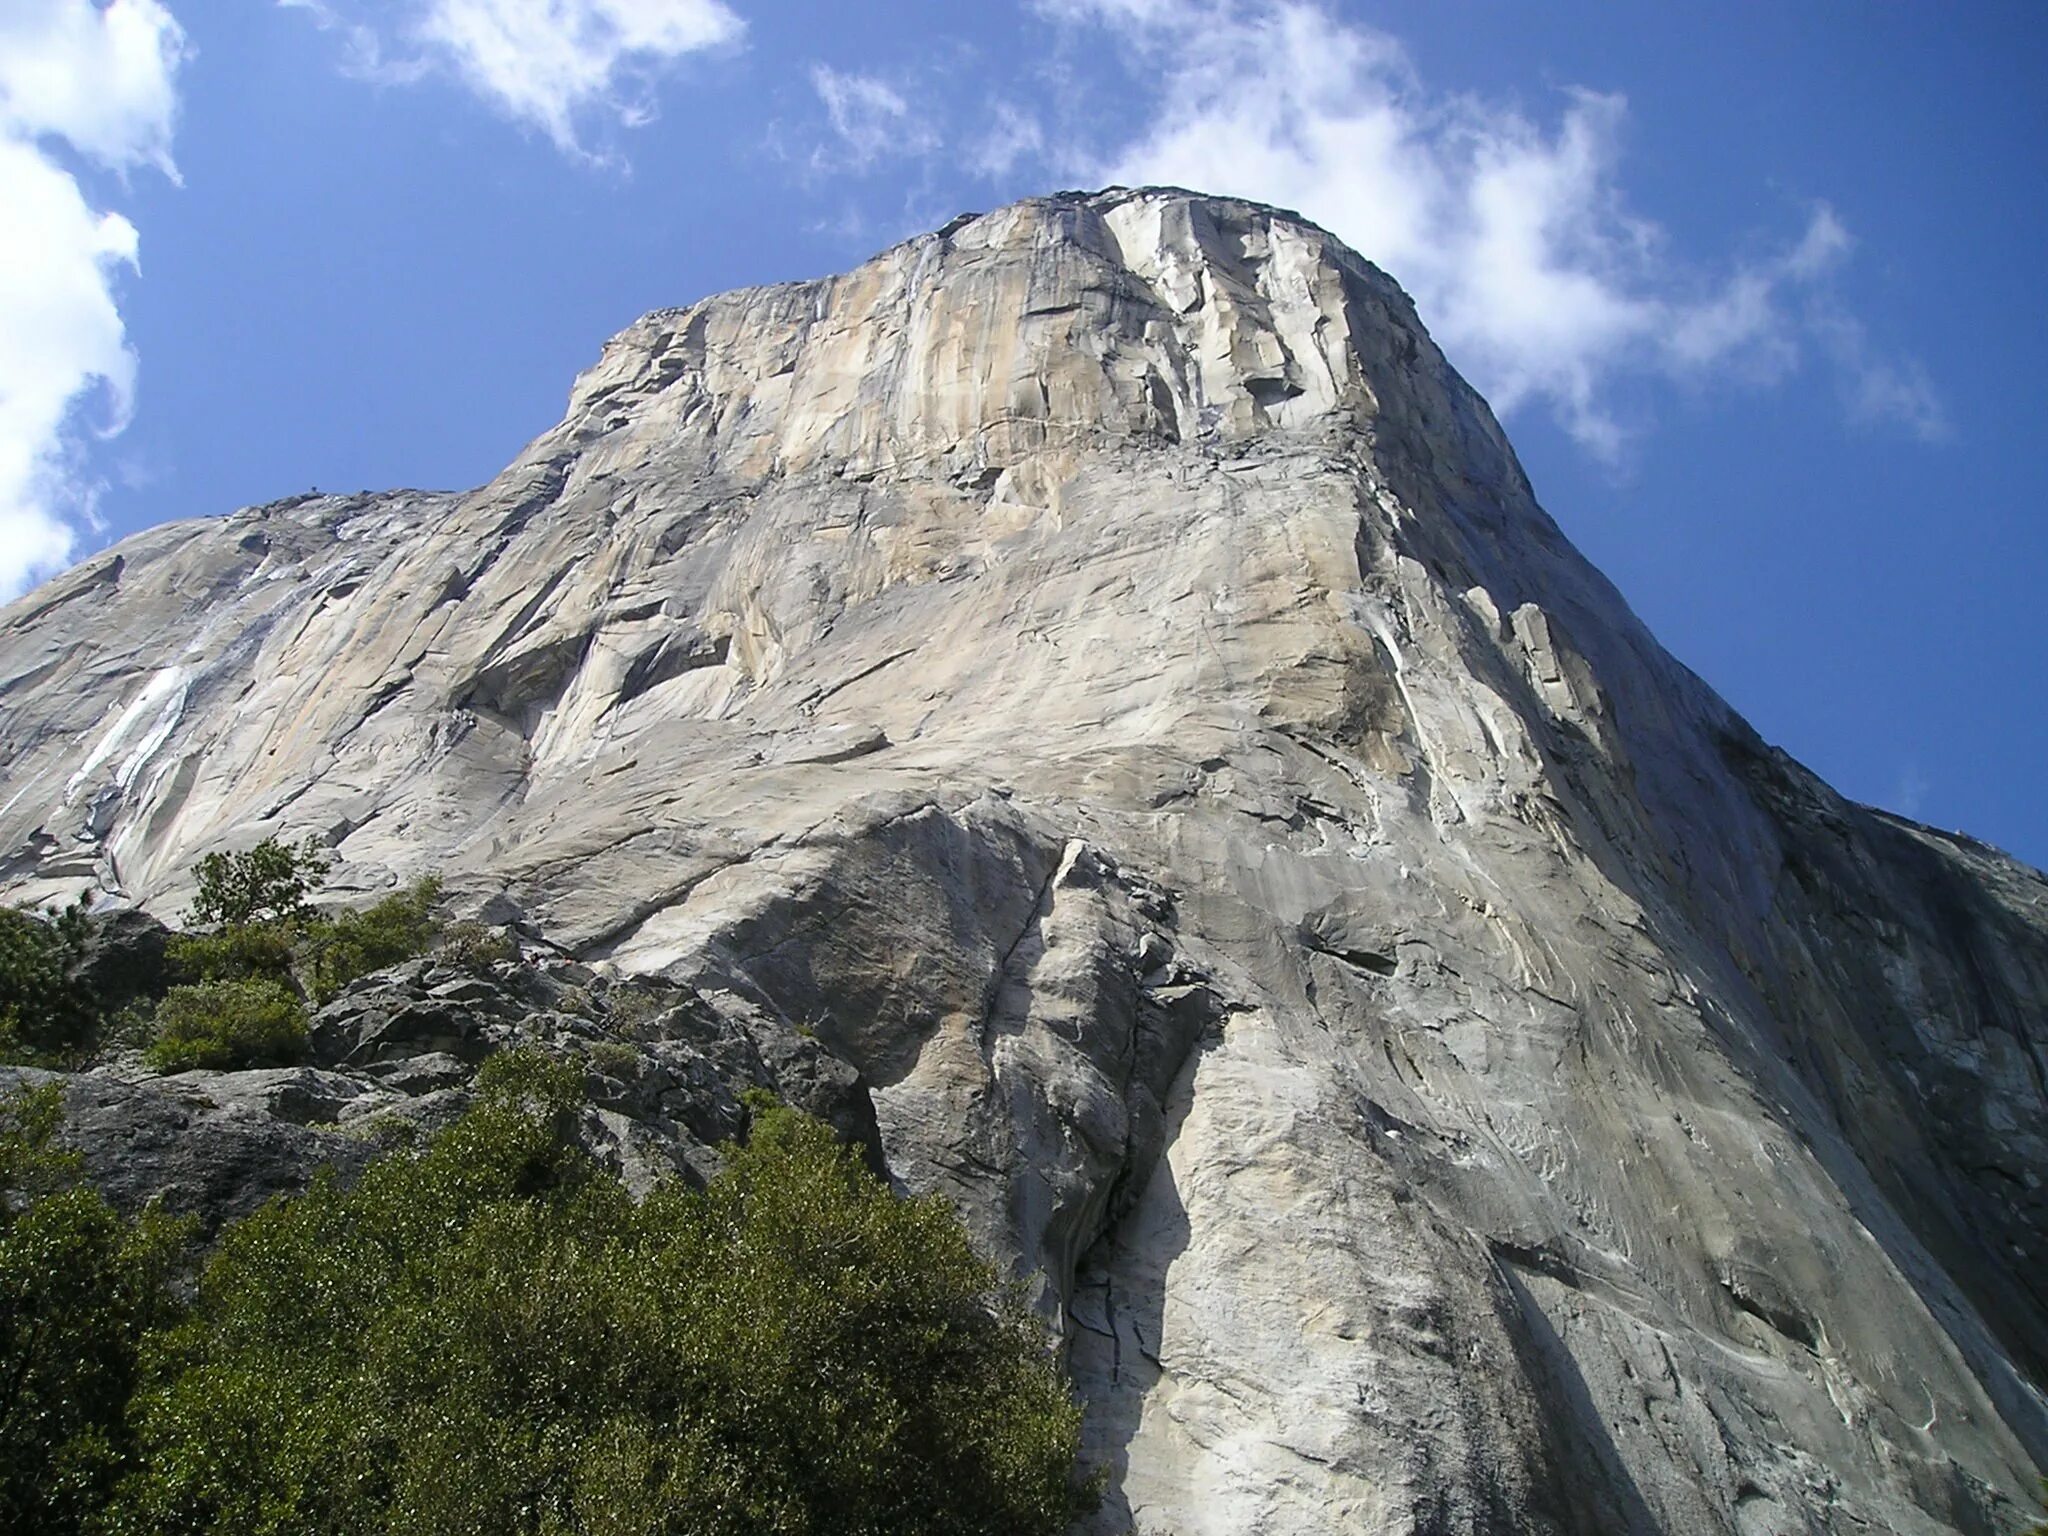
point(1099, 671)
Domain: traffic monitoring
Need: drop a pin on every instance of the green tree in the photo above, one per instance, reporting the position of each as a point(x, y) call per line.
point(490, 1335)
point(79, 1289)
point(267, 953)
point(269, 882)
point(338, 947)
point(46, 1013)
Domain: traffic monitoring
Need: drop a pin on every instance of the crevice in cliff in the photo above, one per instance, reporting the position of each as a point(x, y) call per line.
point(1368, 961)
point(1041, 906)
point(1574, 1459)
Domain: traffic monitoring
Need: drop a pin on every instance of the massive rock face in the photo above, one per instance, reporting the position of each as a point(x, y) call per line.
point(1098, 671)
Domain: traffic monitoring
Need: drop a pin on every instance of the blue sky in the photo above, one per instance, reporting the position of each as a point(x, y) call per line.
point(1757, 289)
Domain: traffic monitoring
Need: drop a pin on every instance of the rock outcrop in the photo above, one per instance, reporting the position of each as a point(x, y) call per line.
point(1100, 675)
point(394, 1057)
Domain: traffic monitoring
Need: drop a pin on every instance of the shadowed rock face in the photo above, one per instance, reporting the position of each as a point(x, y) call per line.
point(1100, 673)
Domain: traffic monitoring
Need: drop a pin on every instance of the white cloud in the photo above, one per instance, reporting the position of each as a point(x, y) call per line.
point(555, 65)
point(1514, 235)
point(100, 78)
point(364, 56)
point(1878, 390)
point(1013, 138)
point(870, 118)
point(100, 82)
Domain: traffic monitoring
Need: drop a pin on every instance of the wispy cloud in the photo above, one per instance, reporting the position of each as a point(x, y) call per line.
point(87, 83)
point(1909, 791)
point(365, 55)
point(1013, 137)
point(1514, 233)
point(871, 120)
point(1877, 390)
point(560, 66)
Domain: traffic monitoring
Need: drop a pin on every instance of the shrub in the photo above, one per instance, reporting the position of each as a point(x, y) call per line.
point(266, 950)
point(637, 1007)
point(615, 1058)
point(269, 882)
point(236, 952)
point(340, 946)
point(476, 946)
point(46, 1013)
point(254, 1022)
point(489, 1335)
point(79, 1288)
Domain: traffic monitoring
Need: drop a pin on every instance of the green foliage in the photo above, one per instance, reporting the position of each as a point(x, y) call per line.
point(268, 951)
point(874, 1377)
point(79, 1288)
point(269, 882)
point(615, 1058)
point(340, 946)
point(636, 1008)
point(476, 946)
point(253, 1022)
point(486, 1333)
point(30, 1167)
point(489, 1335)
point(46, 1014)
point(237, 952)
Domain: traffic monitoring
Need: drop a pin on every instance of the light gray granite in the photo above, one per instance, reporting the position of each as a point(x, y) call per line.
point(1099, 672)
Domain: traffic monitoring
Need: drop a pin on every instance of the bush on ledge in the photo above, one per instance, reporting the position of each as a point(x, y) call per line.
point(224, 1025)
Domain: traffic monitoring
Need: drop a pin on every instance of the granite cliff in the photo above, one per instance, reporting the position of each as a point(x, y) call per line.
point(1096, 679)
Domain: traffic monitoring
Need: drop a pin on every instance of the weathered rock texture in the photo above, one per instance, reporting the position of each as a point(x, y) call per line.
point(1100, 672)
point(395, 1057)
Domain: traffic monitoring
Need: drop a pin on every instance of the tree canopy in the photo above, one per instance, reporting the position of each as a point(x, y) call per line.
point(46, 1012)
point(80, 1289)
point(271, 881)
point(489, 1334)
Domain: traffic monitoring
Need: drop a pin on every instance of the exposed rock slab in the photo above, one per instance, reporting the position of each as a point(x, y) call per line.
point(1101, 676)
